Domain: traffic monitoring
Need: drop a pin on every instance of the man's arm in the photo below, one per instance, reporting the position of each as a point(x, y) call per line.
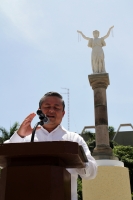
point(23, 131)
point(90, 170)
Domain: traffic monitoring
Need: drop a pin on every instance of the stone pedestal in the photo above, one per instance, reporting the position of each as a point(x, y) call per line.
point(99, 83)
point(111, 182)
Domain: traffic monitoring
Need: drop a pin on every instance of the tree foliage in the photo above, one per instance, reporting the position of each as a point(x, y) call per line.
point(7, 134)
point(111, 131)
point(79, 188)
point(88, 136)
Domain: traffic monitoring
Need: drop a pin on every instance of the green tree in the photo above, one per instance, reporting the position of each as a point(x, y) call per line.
point(7, 134)
point(90, 139)
point(88, 136)
point(111, 131)
point(79, 188)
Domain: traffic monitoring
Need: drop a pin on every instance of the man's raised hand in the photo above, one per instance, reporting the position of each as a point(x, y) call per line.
point(25, 128)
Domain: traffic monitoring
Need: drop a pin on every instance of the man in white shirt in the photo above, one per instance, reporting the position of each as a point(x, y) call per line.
point(52, 105)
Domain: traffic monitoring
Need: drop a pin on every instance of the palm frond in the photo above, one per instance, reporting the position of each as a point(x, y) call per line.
point(14, 128)
point(5, 133)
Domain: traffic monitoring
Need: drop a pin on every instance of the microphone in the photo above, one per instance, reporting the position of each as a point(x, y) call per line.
point(43, 118)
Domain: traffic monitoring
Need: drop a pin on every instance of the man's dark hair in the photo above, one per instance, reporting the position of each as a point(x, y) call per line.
point(53, 94)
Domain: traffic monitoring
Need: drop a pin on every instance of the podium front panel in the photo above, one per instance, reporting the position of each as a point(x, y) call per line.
point(36, 183)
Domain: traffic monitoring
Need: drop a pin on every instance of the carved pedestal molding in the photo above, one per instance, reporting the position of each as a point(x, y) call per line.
point(99, 83)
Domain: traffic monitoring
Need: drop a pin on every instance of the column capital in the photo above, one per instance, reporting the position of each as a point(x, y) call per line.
point(100, 80)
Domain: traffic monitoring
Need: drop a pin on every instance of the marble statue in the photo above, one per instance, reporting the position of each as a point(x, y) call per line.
point(97, 55)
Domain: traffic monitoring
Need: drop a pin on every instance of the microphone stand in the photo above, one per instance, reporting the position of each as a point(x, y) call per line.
point(33, 132)
point(43, 120)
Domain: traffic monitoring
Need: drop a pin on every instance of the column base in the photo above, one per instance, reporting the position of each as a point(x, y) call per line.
point(104, 157)
point(103, 152)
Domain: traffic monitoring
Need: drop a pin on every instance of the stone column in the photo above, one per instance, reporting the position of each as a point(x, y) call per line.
point(99, 83)
point(112, 180)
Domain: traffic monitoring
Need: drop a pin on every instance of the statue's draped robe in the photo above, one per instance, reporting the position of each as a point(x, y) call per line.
point(97, 56)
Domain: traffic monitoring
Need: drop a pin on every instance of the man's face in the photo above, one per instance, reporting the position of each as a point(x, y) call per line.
point(53, 108)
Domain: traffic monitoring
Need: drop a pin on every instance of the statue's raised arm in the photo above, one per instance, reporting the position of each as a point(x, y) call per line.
point(86, 38)
point(108, 33)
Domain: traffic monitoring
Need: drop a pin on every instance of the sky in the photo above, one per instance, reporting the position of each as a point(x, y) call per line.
point(40, 52)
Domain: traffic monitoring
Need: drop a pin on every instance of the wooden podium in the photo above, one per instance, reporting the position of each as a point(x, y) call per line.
point(37, 171)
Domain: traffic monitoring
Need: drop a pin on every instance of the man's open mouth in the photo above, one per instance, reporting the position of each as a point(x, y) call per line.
point(50, 116)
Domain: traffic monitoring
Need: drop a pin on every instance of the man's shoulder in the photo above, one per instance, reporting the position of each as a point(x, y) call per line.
point(70, 132)
point(72, 136)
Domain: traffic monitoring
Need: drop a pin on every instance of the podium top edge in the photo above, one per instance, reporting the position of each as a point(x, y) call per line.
point(65, 150)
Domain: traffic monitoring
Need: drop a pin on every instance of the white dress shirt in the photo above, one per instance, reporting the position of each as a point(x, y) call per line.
point(61, 134)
